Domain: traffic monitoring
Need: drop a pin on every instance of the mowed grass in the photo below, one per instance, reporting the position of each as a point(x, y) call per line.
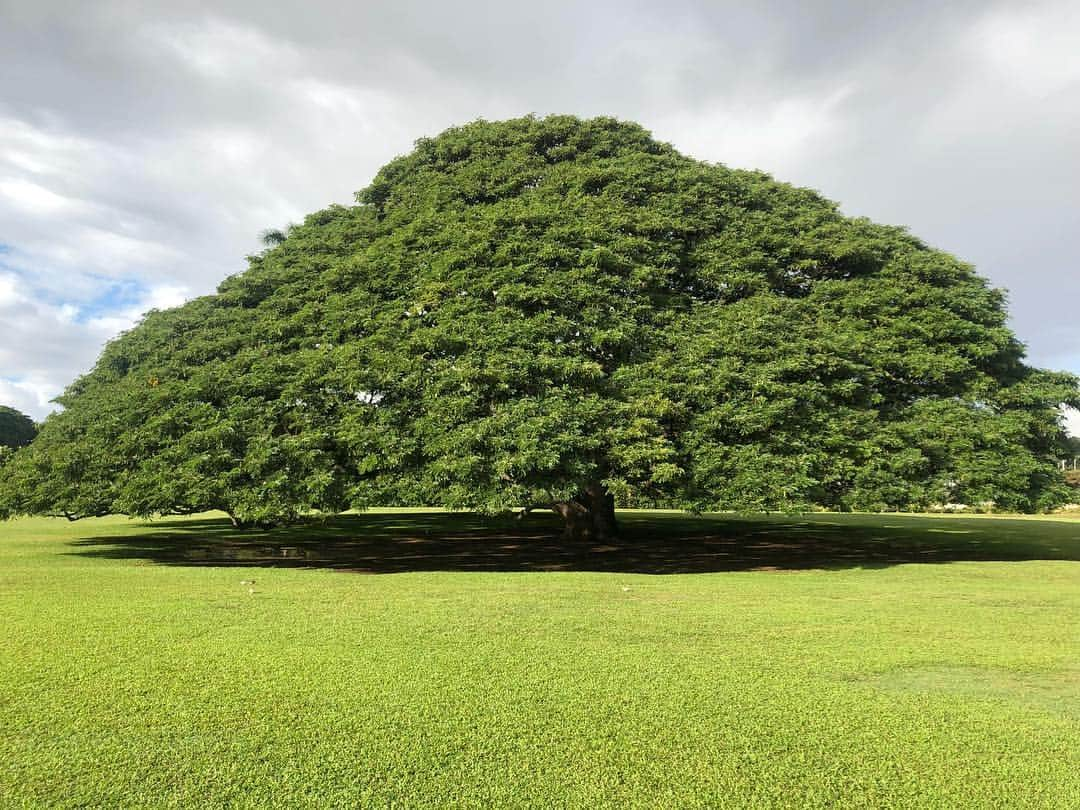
point(826, 660)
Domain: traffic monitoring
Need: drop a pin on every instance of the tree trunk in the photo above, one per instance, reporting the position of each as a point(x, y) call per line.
point(576, 521)
point(602, 512)
point(590, 516)
point(239, 523)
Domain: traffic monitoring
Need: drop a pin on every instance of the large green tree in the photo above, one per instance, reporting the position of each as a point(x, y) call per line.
point(564, 313)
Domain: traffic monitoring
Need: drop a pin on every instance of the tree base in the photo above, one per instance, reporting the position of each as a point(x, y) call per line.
point(590, 517)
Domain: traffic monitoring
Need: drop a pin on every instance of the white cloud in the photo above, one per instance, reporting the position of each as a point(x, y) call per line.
point(43, 347)
point(1032, 47)
point(31, 396)
point(163, 297)
point(69, 215)
point(9, 291)
point(1072, 421)
point(218, 49)
point(775, 135)
point(38, 151)
point(47, 345)
point(35, 199)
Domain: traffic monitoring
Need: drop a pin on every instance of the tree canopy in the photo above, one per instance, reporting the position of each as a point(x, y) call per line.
point(563, 313)
point(16, 428)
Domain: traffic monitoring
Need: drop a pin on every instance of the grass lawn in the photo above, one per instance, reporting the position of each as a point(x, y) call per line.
point(424, 659)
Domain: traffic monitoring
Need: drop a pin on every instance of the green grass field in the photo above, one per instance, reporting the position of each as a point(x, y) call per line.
point(420, 659)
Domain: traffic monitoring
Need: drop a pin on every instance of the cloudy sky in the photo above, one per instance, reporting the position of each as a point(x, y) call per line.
point(144, 146)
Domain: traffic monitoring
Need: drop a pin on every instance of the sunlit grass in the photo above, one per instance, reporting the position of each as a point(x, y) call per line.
point(135, 673)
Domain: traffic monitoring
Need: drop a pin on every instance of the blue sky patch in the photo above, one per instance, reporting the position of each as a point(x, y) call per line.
point(111, 295)
point(115, 295)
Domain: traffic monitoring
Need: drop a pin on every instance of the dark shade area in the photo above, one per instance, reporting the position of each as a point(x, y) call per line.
point(651, 543)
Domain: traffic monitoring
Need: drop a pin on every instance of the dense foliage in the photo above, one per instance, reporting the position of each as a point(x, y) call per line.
point(564, 313)
point(16, 428)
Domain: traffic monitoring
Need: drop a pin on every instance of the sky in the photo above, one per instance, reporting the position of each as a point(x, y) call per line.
point(144, 146)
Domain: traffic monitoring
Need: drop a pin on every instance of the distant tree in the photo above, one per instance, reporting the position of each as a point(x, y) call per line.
point(16, 428)
point(564, 314)
point(272, 237)
point(1070, 459)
